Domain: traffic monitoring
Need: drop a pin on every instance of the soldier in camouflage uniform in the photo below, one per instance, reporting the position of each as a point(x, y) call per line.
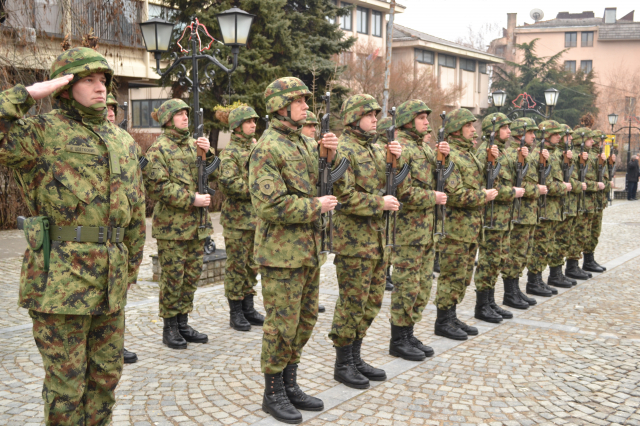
point(550, 216)
point(466, 198)
point(494, 247)
point(381, 138)
point(521, 235)
point(283, 173)
point(82, 185)
point(171, 180)
point(359, 239)
point(414, 250)
point(239, 220)
point(581, 224)
point(598, 195)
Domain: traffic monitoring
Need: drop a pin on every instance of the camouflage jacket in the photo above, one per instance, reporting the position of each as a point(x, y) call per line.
point(283, 174)
point(529, 201)
point(592, 180)
point(465, 195)
point(570, 205)
point(359, 227)
point(503, 204)
point(171, 180)
point(78, 171)
point(417, 193)
point(555, 185)
point(600, 197)
point(237, 210)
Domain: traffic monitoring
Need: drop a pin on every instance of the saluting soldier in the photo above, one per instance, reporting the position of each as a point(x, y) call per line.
point(598, 193)
point(171, 180)
point(283, 174)
point(466, 198)
point(381, 138)
point(239, 220)
point(414, 251)
point(494, 247)
point(82, 184)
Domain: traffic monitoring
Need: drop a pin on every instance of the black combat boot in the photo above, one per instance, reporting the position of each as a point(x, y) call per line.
point(368, 371)
point(237, 321)
point(535, 287)
point(276, 402)
point(250, 314)
point(171, 336)
point(512, 295)
point(296, 396)
point(573, 270)
point(484, 311)
point(496, 308)
point(446, 327)
point(555, 278)
point(389, 284)
point(471, 331)
point(129, 357)
point(401, 347)
point(530, 300)
point(589, 264)
point(188, 333)
point(544, 285)
point(436, 263)
point(416, 343)
point(594, 261)
point(345, 371)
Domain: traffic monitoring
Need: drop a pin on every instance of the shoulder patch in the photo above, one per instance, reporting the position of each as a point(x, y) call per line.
point(267, 185)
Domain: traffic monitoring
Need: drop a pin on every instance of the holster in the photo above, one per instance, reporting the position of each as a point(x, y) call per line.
point(36, 231)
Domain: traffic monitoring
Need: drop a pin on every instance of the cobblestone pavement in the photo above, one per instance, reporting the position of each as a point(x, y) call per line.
point(573, 359)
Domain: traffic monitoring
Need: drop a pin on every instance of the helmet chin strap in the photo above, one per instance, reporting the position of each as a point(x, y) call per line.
point(355, 126)
point(288, 118)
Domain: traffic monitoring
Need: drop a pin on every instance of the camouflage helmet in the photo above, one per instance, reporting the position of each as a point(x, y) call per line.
point(311, 119)
point(168, 109)
point(579, 138)
point(550, 127)
point(111, 100)
point(597, 136)
point(567, 129)
point(501, 120)
point(456, 119)
point(409, 110)
point(240, 115)
point(522, 125)
point(429, 129)
point(280, 93)
point(356, 107)
point(81, 62)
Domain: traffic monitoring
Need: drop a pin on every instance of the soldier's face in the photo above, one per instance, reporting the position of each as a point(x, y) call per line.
point(588, 143)
point(299, 109)
point(421, 122)
point(181, 119)
point(554, 139)
point(368, 122)
point(111, 114)
point(529, 137)
point(249, 126)
point(467, 131)
point(91, 89)
point(309, 130)
point(505, 132)
point(427, 138)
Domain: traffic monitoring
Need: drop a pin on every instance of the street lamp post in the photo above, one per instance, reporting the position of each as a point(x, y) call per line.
point(499, 98)
point(613, 119)
point(525, 103)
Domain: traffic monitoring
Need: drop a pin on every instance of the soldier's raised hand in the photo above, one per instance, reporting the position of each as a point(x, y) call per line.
point(545, 154)
point(202, 200)
point(395, 148)
point(569, 154)
point(494, 151)
point(329, 202)
point(443, 147)
point(203, 143)
point(391, 203)
point(45, 88)
point(329, 141)
point(525, 151)
point(585, 155)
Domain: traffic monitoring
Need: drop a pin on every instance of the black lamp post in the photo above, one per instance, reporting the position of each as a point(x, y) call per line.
point(613, 119)
point(525, 103)
point(499, 98)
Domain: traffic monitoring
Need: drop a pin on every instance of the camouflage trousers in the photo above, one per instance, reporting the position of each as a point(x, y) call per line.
point(361, 282)
point(290, 298)
point(82, 359)
point(457, 259)
point(581, 231)
point(564, 237)
point(594, 235)
point(543, 247)
point(181, 263)
point(520, 242)
point(412, 270)
point(240, 269)
point(492, 253)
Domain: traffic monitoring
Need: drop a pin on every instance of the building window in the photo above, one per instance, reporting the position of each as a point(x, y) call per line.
point(482, 67)
point(468, 64)
point(446, 60)
point(331, 20)
point(570, 66)
point(142, 112)
point(499, 50)
point(586, 66)
point(346, 19)
point(376, 23)
point(424, 56)
point(362, 20)
point(570, 39)
point(587, 39)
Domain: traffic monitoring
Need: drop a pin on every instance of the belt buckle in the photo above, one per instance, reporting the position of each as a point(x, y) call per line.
point(78, 237)
point(118, 235)
point(100, 234)
point(109, 233)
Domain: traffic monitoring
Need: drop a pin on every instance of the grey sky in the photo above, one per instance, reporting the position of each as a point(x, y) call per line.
point(450, 19)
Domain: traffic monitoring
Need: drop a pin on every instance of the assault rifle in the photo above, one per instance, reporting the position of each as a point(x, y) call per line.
point(521, 172)
point(601, 164)
point(393, 180)
point(327, 178)
point(266, 122)
point(204, 169)
point(543, 173)
point(567, 170)
point(441, 177)
point(493, 169)
point(582, 168)
point(611, 165)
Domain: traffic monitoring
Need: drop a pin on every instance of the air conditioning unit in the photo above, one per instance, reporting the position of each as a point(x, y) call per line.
point(25, 36)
